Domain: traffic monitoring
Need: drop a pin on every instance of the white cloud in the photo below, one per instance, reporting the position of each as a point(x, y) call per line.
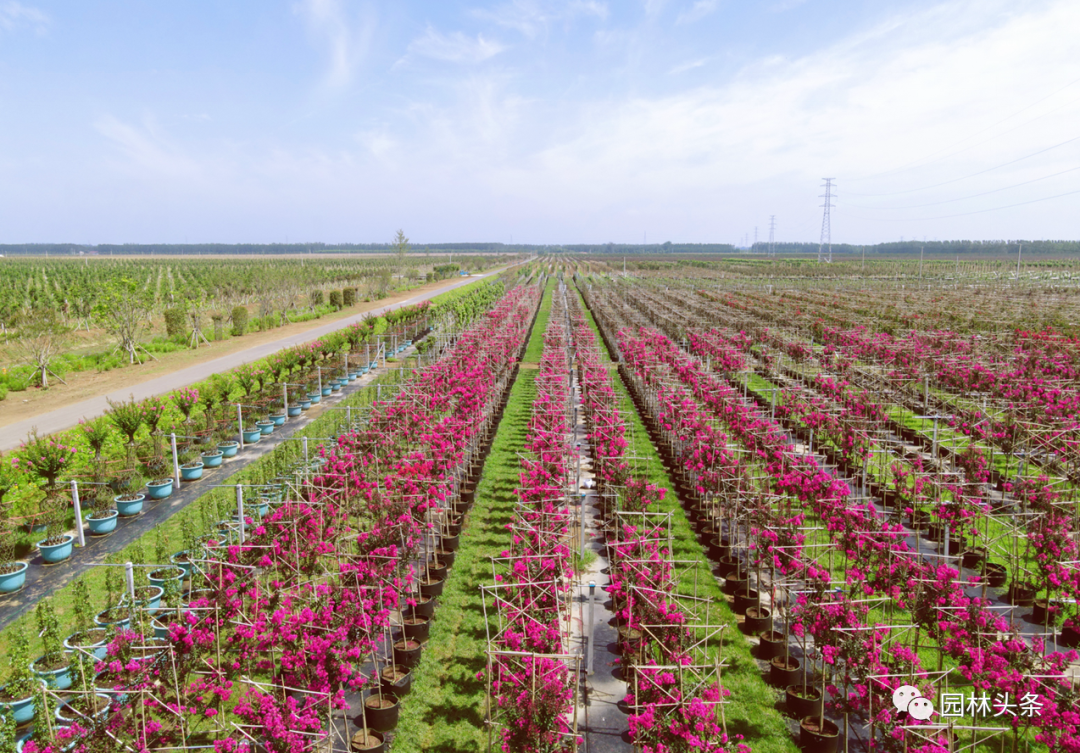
point(147, 149)
point(697, 11)
point(531, 18)
point(689, 65)
point(14, 15)
point(455, 47)
point(346, 40)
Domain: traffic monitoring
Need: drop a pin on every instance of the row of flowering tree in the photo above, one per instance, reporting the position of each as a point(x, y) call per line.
point(301, 609)
point(942, 606)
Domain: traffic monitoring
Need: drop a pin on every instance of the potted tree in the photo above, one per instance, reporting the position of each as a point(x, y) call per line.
point(128, 500)
point(17, 695)
point(12, 571)
point(88, 638)
point(47, 458)
point(102, 516)
point(53, 666)
point(128, 418)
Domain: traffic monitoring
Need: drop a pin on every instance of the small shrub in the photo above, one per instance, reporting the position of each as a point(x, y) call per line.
point(335, 298)
point(174, 322)
point(239, 321)
point(316, 298)
point(348, 296)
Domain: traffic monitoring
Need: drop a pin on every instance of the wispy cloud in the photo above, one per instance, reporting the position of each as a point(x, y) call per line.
point(697, 11)
point(689, 65)
point(146, 148)
point(784, 5)
point(533, 17)
point(14, 15)
point(346, 39)
point(455, 47)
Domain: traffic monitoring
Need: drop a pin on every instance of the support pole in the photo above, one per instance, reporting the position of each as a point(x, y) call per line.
point(240, 424)
point(592, 625)
point(175, 460)
point(78, 513)
point(307, 459)
point(240, 509)
point(319, 369)
point(129, 572)
point(285, 399)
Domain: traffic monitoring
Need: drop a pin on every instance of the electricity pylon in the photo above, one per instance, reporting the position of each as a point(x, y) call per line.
point(826, 228)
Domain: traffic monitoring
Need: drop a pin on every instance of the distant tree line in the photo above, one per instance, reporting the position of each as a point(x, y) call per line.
point(209, 249)
point(933, 248)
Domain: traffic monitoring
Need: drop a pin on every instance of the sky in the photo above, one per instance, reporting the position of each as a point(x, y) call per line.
point(537, 121)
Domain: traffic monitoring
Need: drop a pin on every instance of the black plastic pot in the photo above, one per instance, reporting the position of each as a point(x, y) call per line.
point(744, 599)
point(445, 556)
point(1039, 613)
point(799, 705)
point(815, 739)
point(454, 528)
point(1021, 594)
point(771, 645)
point(727, 564)
point(396, 680)
point(381, 711)
point(735, 582)
point(718, 548)
point(783, 675)
point(425, 607)
point(417, 628)
point(372, 743)
point(758, 620)
point(432, 588)
point(973, 558)
point(450, 543)
point(1070, 637)
point(436, 570)
point(407, 653)
point(996, 575)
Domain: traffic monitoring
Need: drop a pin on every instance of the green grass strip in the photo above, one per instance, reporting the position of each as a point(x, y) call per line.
point(446, 709)
point(536, 340)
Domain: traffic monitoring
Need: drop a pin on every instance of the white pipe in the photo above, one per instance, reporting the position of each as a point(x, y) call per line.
point(78, 513)
point(129, 571)
point(175, 462)
point(240, 509)
point(240, 424)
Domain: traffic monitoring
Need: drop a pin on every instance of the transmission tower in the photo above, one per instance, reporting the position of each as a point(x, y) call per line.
point(772, 235)
point(826, 228)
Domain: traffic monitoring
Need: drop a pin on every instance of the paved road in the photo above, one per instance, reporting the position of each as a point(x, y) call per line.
point(64, 418)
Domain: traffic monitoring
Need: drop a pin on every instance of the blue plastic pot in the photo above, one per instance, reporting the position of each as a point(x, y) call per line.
point(152, 603)
point(251, 436)
point(305, 404)
point(315, 397)
point(57, 679)
point(101, 526)
point(213, 459)
point(159, 491)
point(373, 365)
point(278, 419)
point(175, 572)
point(57, 552)
point(76, 643)
point(294, 410)
point(67, 716)
point(131, 507)
point(22, 711)
point(266, 427)
point(335, 387)
point(192, 472)
point(101, 620)
point(12, 582)
point(229, 449)
point(327, 390)
point(184, 564)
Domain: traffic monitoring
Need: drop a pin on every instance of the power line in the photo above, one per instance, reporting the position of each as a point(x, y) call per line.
point(975, 195)
point(772, 234)
point(966, 214)
point(973, 175)
point(977, 133)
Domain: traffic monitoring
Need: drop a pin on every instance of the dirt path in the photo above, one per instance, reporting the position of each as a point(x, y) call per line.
point(86, 396)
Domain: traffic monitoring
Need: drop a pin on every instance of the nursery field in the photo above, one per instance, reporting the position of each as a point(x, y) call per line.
point(728, 505)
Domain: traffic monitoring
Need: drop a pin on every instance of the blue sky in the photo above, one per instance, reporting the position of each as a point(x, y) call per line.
point(540, 121)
